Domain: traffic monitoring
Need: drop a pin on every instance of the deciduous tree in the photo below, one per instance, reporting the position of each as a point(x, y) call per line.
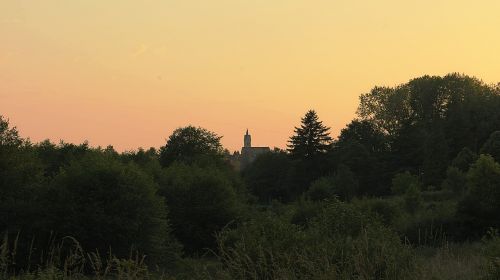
point(188, 144)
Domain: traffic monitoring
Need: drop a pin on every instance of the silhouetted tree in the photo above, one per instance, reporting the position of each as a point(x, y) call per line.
point(387, 108)
point(431, 118)
point(189, 144)
point(21, 179)
point(9, 136)
point(308, 148)
point(311, 138)
point(147, 160)
point(364, 149)
point(55, 156)
point(366, 134)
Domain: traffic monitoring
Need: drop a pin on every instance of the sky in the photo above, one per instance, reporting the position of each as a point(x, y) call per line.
point(129, 72)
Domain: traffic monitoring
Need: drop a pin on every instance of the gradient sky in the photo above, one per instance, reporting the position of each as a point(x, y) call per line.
point(128, 72)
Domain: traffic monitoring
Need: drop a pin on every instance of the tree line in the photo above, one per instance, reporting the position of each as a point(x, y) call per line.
point(419, 157)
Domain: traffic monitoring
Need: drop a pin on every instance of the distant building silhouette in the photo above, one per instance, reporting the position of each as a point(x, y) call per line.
point(248, 154)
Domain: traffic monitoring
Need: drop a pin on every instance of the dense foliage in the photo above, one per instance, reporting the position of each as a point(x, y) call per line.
point(410, 189)
point(202, 202)
point(107, 204)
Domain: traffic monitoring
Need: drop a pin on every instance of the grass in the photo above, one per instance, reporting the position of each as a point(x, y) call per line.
point(453, 261)
point(67, 260)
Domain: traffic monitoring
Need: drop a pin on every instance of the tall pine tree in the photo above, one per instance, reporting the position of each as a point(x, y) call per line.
point(311, 138)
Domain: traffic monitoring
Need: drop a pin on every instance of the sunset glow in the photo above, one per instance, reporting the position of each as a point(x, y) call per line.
point(127, 73)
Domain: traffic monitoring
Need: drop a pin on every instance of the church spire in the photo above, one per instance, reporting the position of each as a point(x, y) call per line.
point(247, 140)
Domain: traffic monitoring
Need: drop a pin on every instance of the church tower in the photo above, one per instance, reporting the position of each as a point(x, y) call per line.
point(249, 153)
point(247, 140)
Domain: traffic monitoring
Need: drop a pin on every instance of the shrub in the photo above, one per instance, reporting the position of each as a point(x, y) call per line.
point(201, 202)
point(346, 185)
point(321, 189)
point(304, 211)
point(389, 211)
point(403, 181)
point(106, 204)
point(479, 208)
point(431, 225)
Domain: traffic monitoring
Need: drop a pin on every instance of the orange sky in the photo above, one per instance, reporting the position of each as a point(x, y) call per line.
point(128, 72)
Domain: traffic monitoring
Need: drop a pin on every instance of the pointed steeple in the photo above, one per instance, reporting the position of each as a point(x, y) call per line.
point(247, 140)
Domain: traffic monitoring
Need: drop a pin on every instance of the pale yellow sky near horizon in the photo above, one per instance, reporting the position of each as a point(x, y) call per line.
point(127, 73)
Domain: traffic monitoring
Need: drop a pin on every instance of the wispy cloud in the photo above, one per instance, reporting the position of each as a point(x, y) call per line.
point(141, 49)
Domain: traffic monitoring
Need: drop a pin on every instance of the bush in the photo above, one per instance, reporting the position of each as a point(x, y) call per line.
point(479, 208)
point(201, 202)
point(321, 189)
point(431, 225)
point(389, 211)
point(346, 185)
point(106, 204)
point(403, 181)
point(305, 211)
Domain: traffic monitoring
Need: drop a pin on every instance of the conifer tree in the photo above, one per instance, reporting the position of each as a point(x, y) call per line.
point(311, 138)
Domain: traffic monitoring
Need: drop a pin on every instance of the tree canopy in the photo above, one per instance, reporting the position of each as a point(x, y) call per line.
point(188, 144)
point(311, 138)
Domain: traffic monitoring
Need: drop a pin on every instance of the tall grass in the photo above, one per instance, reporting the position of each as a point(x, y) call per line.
point(66, 259)
point(451, 262)
point(369, 256)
